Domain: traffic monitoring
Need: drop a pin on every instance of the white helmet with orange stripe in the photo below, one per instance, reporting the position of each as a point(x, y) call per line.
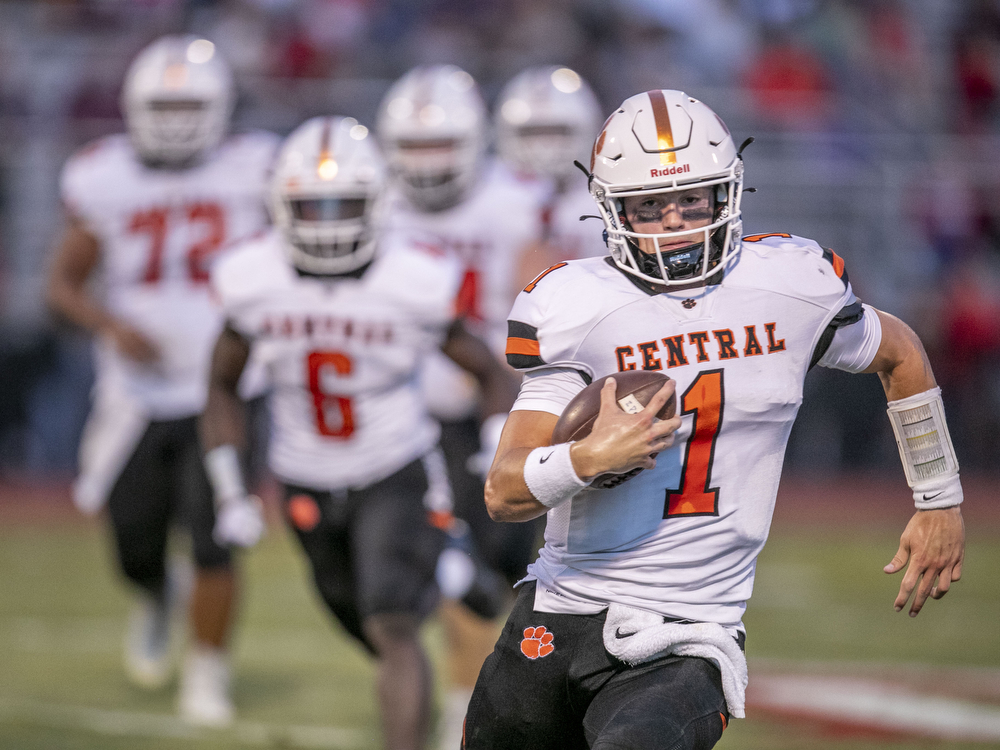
point(177, 100)
point(546, 117)
point(668, 151)
point(326, 187)
point(432, 128)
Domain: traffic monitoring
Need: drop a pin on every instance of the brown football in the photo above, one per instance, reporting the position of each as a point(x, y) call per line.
point(634, 390)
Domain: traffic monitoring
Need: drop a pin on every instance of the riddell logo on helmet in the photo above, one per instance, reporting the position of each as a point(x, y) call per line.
point(667, 171)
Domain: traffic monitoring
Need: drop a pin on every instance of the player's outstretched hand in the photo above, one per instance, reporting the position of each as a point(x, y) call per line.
point(934, 545)
point(239, 522)
point(621, 442)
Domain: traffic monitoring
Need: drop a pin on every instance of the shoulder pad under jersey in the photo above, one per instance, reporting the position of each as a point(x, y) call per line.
point(553, 314)
point(795, 266)
point(89, 171)
point(251, 268)
point(418, 273)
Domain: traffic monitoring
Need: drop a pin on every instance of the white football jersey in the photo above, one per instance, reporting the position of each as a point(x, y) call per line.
point(159, 231)
point(342, 354)
point(681, 539)
point(487, 232)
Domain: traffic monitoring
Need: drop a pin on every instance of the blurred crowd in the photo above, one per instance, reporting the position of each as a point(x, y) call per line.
point(876, 125)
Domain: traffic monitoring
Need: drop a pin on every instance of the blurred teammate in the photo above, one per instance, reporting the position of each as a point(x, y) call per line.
point(546, 118)
point(432, 125)
point(342, 316)
point(636, 581)
point(148, 213)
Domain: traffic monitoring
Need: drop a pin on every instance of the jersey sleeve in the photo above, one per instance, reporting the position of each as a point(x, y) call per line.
point(549, 389)
point(425, 278)
point(550, 318)
point(239, 278)
point(80, 182)
point(855, 339)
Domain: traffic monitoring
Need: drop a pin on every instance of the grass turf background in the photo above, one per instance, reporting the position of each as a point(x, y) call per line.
point(821, 597)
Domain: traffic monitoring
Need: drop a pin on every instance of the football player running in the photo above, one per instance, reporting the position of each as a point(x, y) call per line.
point(432, 126)
point(149, 212)
point(341, 316)
point(636, 580)
point(546, 118)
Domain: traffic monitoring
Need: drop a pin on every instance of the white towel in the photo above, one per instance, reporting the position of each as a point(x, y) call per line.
point(635, 636)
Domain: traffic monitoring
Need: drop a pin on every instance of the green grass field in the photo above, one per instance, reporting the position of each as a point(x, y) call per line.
point(821, 602)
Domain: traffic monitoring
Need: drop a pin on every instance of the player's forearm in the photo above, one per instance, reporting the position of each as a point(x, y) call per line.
point(507, 495)
point(223, 422)
point(74, 305)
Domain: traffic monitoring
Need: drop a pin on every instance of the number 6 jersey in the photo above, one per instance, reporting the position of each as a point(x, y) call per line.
point(342, 355)
point(159, 231)
point(682, 539)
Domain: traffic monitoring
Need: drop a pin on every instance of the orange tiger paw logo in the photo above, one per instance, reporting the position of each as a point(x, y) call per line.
point(537, 642)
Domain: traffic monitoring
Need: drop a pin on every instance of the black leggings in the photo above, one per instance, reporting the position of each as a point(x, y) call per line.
point(163, 482)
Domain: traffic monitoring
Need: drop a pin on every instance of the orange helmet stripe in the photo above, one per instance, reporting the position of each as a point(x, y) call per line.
point(324, 140)
point(664, 133)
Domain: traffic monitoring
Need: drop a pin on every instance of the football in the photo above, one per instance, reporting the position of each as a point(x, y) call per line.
point(634, 390)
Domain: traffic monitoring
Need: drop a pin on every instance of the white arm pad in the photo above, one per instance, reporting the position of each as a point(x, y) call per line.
point(223, 467)
point(550, 476)
point(926, 450)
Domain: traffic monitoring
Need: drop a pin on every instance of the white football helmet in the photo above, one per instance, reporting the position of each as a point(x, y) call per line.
point(328, 179)
point(432, 127)
point(177, 99)
point(663, 141)
point(546, 117)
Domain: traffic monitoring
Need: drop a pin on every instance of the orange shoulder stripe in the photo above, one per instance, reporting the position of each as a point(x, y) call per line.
point(517, 345)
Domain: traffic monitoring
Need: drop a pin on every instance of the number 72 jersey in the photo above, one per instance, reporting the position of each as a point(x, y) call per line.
point(159, 232)
point(680, 539)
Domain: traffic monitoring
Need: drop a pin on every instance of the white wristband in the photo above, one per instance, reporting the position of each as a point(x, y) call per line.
point(223, 467)
point(926, 450)
point(550, 476)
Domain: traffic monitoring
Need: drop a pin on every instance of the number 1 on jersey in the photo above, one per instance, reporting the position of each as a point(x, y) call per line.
point(334, 416)
point(694, 497)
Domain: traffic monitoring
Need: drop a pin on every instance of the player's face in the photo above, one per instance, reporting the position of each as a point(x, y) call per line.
point(675, 211)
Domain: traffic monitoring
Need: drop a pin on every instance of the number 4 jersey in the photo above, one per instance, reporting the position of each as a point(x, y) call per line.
point(682, 539)
point(159, 231)
point(342, 355)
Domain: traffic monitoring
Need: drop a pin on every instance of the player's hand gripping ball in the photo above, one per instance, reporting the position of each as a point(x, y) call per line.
point(634, 390)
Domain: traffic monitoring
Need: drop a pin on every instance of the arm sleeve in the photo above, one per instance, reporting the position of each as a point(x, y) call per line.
point(853, 346)
point(549, 390)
